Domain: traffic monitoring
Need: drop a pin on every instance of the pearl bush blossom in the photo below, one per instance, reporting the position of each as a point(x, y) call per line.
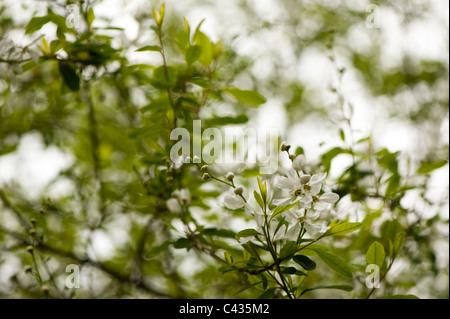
point(287, 211)
point(303, 195)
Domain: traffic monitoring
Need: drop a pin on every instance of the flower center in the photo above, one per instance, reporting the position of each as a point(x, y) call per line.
point(297, 192)
point(307, 187)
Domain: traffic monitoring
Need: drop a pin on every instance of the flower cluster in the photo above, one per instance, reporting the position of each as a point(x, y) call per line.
point(302, 201)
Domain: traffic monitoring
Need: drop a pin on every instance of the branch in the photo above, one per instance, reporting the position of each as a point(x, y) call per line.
point(16, 212)
point(70, 255)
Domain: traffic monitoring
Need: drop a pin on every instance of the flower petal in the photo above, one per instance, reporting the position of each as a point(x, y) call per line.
point(282, 201)
point(299, 162)
point(330, 198)
point(321, 206)
point(173, 205)
point(285, 183)
point(233, 201)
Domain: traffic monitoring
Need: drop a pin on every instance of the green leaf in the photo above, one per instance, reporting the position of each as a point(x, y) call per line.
point(182, 243)
point(288, 270)
point(91, 16)
point(248, 97)
point(428, 167)
point(262, 189)
point(288, 250)
point(258, 199)
point(193, 54)
point(164, 78)
point(282, 209)
point(399, 297)
point(333, 262)
point(60, 21)
point(398, 244)
point(197, 30)
point(330, 155)
point(342, 229)
point(305, 262)
point(267, 294)
point(339, 287)
point(375, 254)
point(393, 185)
point(264, 281)
point(299, 151)
point(247, 233)
point(187, 27)
point(36, 23)
point(154, 48)
point(219, 232)
point(69, 75)
point(247, 287)
point(225, 120)
point(388, 160)
point(207, 53)
point(225, 269)
point(251, 248)
point(292, 271)
point(160, 248)
point(342, 135)
point(200, 82)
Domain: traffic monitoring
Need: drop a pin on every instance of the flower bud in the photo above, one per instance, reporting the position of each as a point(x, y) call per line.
point(229, 176)
point(27, 269)
point(239, 190)
point(29, 249)
point(205, 176)
point(299, 162)
point(45, 289)
point(33, 221)
point(285, 147)
point(32, 231)
point(204, 168)
point(305, 178)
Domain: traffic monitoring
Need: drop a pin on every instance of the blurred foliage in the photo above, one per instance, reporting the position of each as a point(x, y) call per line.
point(82, 92)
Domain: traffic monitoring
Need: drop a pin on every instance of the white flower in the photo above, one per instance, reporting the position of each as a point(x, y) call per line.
point(325, 201)
point(180, 198)
point(184, 195)
point(274, 233)
point(6, 47)
point(174, 205)
point(299, 162)
point(307, 218)
point(259, 219)
point(301, 187)
point(277, 234)
point(231, 200)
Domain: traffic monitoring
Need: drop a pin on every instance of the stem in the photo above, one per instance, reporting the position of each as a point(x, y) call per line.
point(274, 255)
point(381, 279)
point(166, 72)
point(118, 275)
point(4, 199)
